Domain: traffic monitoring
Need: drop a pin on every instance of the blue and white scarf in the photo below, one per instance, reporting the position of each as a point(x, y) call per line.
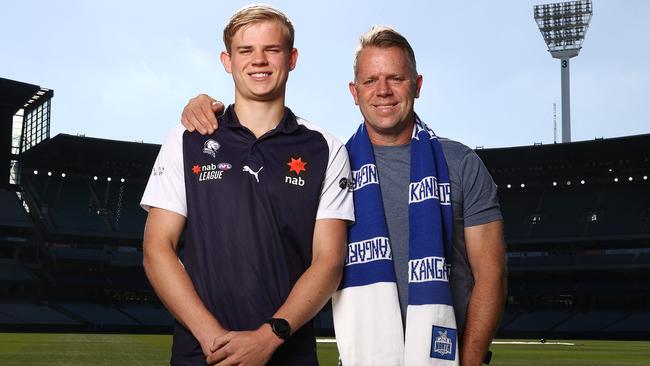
point(367, 320)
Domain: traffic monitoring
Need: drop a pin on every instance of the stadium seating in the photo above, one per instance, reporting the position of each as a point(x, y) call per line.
point(537, 321)
point(28, 313)
point(12, 212)
point(99, 315)
point(14, 271)
point(149, 315)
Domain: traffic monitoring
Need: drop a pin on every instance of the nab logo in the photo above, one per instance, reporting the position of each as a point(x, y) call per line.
point(296, 166)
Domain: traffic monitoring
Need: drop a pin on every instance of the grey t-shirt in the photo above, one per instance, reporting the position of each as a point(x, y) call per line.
point(474, 202)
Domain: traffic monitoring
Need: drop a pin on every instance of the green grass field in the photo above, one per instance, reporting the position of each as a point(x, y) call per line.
point(21, 349)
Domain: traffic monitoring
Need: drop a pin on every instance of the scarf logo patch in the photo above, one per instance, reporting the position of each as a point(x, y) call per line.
point(443, 343)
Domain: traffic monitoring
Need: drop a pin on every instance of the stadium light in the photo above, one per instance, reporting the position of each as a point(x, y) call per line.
point(122, 180)
point(108, 179)
point(95, 178)
point(509, 186)
point(563, 27)
point(630, 179)
point(62, 175)
point(49, 174)
point(568, 182)
point(582, 181)
point(645, 177)
point(35, 172)
point(554, 184)
point(523, 185)
point(616, 180)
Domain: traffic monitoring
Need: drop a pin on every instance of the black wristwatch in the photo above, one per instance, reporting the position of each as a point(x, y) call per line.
point(280, 327)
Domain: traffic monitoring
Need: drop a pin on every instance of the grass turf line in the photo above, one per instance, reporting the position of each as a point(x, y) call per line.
point(147, 350)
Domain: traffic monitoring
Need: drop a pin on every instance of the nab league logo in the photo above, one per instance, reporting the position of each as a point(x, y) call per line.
point(210, 171)
point(443, 343)
point(210, 147)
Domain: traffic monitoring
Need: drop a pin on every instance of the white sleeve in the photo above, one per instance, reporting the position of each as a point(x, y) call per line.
point(166, 186)
point(336, 196)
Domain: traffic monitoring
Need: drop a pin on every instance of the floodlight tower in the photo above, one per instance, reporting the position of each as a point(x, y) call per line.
point(563, 26)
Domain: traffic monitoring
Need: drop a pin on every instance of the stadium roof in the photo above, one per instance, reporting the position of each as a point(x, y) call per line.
point(15, 94)
point(621, 154)
point(92, 155)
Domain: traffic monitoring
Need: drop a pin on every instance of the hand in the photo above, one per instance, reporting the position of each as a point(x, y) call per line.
point(199, 114)
point(247, 348)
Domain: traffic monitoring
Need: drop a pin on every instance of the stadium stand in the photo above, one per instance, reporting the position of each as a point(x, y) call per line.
point(577, 228)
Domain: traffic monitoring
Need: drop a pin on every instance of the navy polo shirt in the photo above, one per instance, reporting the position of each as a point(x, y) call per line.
point(251, 204)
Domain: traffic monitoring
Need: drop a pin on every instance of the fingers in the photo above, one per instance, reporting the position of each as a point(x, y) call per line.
point(199, 114)
point(221, 341)
point(185, 121)
point(200, 121)
point(217, 351)
point(208, 117)
point(218, 357)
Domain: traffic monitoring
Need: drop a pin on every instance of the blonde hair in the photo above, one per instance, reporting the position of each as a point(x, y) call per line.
point(256, 13)
point(384, 37)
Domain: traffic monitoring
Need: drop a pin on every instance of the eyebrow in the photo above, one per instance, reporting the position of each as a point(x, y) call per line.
point(265, 47)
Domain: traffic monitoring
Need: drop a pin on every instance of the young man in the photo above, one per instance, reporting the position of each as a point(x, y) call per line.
point(437, 205)
point(265, 214)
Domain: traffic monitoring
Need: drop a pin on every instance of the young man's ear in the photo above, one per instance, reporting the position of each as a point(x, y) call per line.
point(225, 60)
point(293, 59)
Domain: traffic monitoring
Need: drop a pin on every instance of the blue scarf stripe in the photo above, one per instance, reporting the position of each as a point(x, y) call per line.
point(368, 273)
point(429, 293)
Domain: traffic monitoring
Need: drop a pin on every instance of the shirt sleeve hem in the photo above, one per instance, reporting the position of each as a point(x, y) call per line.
point(166, 205)
point(483, 219)
point(331, 214)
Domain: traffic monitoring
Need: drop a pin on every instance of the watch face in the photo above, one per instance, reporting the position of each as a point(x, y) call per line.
point(280, 327)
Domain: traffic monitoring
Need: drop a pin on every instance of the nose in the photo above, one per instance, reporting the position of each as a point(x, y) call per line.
point(383, 88)
point(259, 58)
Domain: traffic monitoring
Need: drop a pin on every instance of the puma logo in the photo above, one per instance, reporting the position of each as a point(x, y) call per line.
point(254, 173)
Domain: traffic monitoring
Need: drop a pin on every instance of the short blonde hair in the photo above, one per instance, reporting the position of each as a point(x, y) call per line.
point(256, 13)
point(384, 37)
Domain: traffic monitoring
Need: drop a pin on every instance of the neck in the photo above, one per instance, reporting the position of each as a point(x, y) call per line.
point(399, 135)
point(259, 116)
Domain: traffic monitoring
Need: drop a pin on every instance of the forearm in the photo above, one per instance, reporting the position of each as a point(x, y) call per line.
point(311, 293)
point(175, 289)
point(483, 315)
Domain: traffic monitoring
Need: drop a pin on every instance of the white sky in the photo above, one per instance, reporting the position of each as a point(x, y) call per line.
point(124, 69)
